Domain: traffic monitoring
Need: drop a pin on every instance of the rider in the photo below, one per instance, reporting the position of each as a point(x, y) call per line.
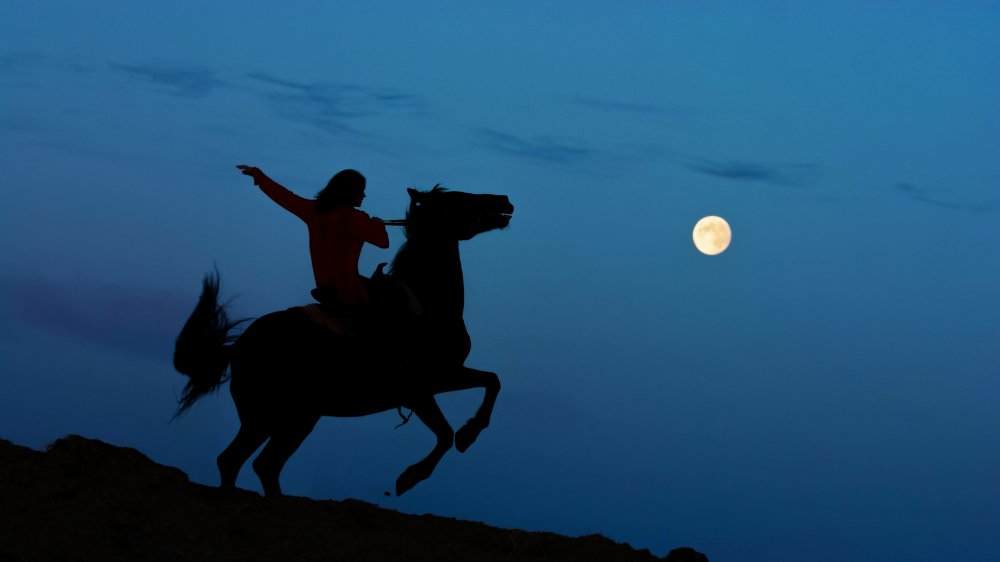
point(337, 231)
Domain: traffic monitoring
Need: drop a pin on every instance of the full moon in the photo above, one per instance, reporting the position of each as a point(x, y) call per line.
point(712, 235)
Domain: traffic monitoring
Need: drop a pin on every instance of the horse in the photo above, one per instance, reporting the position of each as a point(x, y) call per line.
point(285, 371)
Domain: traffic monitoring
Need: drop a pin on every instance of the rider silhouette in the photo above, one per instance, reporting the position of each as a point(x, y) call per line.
point(337, 231)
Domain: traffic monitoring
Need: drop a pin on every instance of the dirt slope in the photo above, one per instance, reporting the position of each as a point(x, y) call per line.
point(87, 500)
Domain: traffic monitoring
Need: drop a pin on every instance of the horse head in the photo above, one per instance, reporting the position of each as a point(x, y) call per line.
point(454, 214)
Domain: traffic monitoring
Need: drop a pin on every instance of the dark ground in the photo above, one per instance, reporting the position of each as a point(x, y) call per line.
point(87, 500)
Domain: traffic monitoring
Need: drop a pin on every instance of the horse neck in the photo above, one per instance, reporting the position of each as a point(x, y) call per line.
point(433, 270)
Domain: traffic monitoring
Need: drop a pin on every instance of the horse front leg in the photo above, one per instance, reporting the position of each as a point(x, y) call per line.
point(465, 378)
point(428, 411)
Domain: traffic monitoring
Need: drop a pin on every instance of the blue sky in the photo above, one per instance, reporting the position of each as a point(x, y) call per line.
point(825, 389)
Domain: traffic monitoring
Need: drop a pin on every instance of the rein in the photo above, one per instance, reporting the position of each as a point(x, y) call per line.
point(406, 418)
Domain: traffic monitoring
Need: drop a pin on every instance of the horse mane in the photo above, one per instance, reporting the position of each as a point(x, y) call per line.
point(404, 256)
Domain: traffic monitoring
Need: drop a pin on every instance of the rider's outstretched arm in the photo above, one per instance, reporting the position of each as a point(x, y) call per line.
point(298, 206)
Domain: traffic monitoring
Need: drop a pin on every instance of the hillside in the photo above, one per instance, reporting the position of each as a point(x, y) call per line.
point(87, 500)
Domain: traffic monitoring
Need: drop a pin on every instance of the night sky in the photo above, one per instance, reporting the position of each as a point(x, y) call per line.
point(824, 390)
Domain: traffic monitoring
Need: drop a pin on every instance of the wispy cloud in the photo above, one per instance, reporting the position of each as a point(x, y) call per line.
point(187, 81)
point(29, 67)
point(326, 115)
point(142, 322)
point(20, 61)
point(943, 201)
point(279, 81)
point(538, 149)
point(333, 107)
point(619, 106)
point(89, 151)
point(784, 175)
point(20, 123)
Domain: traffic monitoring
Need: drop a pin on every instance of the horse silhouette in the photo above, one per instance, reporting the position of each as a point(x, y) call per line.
point(286, 371)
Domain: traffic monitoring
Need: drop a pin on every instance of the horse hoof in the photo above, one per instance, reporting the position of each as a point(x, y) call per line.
point(467, 434)
point(406, 482)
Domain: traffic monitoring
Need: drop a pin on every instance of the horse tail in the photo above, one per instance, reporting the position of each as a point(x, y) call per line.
point(202, 350)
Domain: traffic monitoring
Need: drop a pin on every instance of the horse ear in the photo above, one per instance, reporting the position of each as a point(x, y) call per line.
point(413, 192)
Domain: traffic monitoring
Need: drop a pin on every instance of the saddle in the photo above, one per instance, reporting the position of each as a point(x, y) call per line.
point(392, 303)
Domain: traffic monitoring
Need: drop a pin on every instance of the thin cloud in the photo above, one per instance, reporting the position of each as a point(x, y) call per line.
point(141, 322)
point(20, 123)
point(327, 115)
point(89, 151)
point(186, 81)
point(619, 106)
point(923, 195)
point(350, 93)
point(29, 67)
point(784, 175)
point(538, 149)
point(333, 107)
point(26, 63)
point(19, 62)
point(279, 81)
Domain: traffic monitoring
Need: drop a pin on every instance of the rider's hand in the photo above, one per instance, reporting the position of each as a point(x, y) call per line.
point(376, 219)
point(249, 170)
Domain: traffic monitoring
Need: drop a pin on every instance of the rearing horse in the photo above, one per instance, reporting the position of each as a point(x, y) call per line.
point(285, 371)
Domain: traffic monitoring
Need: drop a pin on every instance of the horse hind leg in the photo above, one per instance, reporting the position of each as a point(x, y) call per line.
point(248, 439)
point(472, 378)
point(430, 413)
point(285, 440)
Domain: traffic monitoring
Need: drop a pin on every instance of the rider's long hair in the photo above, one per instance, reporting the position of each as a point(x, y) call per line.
point(341, 191)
